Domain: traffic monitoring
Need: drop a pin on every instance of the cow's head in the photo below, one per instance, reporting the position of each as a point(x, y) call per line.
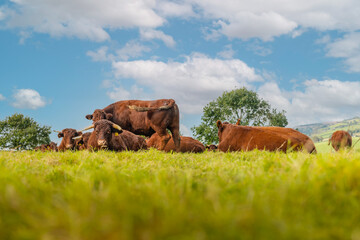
point(104, 130)
point(53, 147)
point(98, 115)
point(68, 134)
point(211, 147)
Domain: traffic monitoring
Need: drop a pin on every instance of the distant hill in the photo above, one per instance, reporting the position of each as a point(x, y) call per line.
point(322, 131)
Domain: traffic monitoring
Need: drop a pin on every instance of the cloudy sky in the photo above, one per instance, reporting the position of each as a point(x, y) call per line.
point(60, 60)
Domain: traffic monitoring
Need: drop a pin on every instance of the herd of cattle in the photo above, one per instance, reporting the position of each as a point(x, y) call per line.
point(124, 124)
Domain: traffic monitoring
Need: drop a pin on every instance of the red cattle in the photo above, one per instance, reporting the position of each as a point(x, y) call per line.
point(81, 141)
point(340, 140)
point(307, 143)
point(243, 138)
point(211, 147)
point(108, 135)
point(144, 118)
point(187, 144)
point(68, 143)
point(47, 147)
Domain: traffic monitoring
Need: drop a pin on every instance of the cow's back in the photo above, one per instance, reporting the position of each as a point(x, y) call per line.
point(242, 138)
point(340, 139)
point(293, 135)
point(141, 122)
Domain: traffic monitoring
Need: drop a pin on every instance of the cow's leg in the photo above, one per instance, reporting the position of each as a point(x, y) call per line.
point(164, 136)
point(176, 137)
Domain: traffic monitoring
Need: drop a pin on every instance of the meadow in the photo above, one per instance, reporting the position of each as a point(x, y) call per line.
point(154, 195)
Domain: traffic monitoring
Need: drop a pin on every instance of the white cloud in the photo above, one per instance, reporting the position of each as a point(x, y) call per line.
point(319, 101)
point(266, 19)
point(184, 130)
point(100, 55)
point(132, 49)
point(174, 9)
point(2, 98)
point(150, 34)
point(263, 19)
point(227, 53)
point(192, 83)
point(28, 99)
point(82, 19)
point(265, 26)
point(348, 48)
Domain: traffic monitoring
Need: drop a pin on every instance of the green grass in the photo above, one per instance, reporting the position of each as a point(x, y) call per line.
point(153, 195)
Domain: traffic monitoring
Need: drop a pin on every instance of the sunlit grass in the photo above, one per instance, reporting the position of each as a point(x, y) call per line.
point(153, 195)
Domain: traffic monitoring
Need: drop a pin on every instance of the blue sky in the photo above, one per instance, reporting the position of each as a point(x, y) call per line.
point(60, 60)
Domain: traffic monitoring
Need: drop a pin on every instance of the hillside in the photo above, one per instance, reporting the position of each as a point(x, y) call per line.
point(324, 130)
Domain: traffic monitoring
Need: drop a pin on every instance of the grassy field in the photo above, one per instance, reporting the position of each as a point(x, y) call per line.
point(153, 195)
point(323, 147)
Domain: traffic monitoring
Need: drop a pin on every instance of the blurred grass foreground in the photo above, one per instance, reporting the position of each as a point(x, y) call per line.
point(154, 195)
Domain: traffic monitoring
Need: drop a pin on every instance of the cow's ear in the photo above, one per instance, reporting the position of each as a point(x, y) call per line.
point(219, 124)
point(109, 116)
point(78, 134)
point(60, 135)
point(89, 116)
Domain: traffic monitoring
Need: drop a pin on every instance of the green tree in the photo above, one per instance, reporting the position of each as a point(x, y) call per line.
point(22, 133)
point(237, 104)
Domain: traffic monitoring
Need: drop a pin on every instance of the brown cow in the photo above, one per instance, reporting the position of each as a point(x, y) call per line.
point(243, 138)
point(68, 143)
point(144, 118)
point(211, 147)
point(108, 135)
point(340, 139)
point(307, 143)
point(81, 141)
point(187, 144)
point(47, 147)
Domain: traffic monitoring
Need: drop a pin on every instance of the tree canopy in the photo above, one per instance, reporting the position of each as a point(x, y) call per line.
point(237, 104)
point(22, 133)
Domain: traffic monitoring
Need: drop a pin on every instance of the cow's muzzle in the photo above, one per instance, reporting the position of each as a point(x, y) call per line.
point(102, 143)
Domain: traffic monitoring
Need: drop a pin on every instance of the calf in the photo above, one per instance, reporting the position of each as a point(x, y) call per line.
point(47, 147)
point(82, 140)
point(187, 144)
point(108, 135)
point(211, 147)
point(68, 143)
point(244, 138)
point(340, 140)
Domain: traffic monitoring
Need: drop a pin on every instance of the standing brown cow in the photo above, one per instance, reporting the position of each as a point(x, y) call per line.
point(108, 135)
point(187, 144)
point(144, 118)
point(68, 142)
point(340, 139)
point(243, 138)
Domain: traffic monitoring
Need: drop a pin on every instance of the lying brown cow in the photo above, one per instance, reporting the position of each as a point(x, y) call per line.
point(47, 147)
point(68, 143)
point(307, 143)
point(243, 138)
point(144, 118)
point(211, 147)
point(340, 139)
point(108, 135)
point(81, 141)
point(187, 144)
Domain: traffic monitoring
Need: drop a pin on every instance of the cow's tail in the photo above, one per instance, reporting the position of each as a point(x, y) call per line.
point(169, 104)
